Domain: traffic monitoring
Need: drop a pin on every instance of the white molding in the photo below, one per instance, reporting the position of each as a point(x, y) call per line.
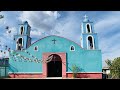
point(82, 28)
point(71, 46)
point(92, 41)
point(17, 40)
point(42, 72)
point(25, 72)
point(85, 72)
point(20, 29)
point(90, 28)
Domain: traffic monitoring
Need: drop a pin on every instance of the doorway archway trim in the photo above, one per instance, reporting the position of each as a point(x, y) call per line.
point(63, 58)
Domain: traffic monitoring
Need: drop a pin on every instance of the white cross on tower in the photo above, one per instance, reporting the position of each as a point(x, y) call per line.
point(86, 17)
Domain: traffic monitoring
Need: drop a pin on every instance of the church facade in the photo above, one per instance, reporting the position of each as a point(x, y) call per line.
point(55, 56)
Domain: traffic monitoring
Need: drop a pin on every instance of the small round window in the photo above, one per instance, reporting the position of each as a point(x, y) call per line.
point(72, 48)
point(36, 48)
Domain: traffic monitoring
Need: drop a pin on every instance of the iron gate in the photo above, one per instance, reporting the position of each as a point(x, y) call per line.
point(4, 65)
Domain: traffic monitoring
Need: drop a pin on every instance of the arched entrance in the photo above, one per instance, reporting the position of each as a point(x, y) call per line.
point(19, 43)
point(62, 56)
point(90, 42)
point(54, 67)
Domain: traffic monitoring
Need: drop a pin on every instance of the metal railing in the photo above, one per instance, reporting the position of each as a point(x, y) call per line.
point(4, 67)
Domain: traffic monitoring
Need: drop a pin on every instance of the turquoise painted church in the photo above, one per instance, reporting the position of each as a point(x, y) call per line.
point(55, 56)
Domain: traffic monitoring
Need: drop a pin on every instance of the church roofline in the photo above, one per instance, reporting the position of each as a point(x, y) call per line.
point(56, 36)
point(61, 37)
point(87, 22)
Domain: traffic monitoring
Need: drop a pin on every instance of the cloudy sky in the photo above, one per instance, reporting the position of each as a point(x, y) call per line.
point(65, 24)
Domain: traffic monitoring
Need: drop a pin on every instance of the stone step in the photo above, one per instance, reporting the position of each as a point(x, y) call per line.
point(54, 78)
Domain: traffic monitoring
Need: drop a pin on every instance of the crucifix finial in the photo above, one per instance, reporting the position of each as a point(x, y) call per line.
point(85, 16)
point(54, 40)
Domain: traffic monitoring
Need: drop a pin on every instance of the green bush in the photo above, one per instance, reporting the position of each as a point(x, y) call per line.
point(75, 70)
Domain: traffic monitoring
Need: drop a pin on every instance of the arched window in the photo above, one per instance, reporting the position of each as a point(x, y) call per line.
point(88, 28)
point(19, 43)
point(72, 48)
point(90, 42)
point(22, 30)
point(36, 48)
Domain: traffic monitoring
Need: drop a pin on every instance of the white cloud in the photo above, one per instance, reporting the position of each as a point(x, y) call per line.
point(4, 54)
point(9, 34)
point(2, 22)
point(10, 20)
point(35, 33)
point(7, 38)
point(45, 23)
point(108, 31)
point(111, 20)
point(41, 21)
point(2, 42)
point(69, 27)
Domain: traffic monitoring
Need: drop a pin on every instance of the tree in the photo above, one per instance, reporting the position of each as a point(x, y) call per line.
point(75, 70)
point(114, 67)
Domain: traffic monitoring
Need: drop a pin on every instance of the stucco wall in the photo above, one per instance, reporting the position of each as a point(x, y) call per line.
point(87, 60)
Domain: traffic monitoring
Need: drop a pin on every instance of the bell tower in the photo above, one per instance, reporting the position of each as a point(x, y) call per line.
point(89, 39)
point(22, 40)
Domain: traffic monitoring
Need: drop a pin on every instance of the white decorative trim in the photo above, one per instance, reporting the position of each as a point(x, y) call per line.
point(20, 29)
point(85, 72)
point(17, 40)
point(92, 41)
point(90, 28)
point(25, 72)
point(71, 46)
point(82, 28)
point(34, 48)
